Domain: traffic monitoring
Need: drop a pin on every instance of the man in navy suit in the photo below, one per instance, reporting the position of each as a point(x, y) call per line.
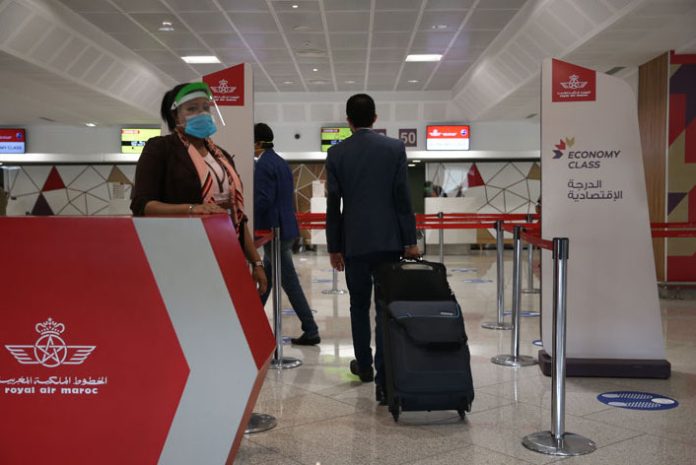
point(274, 195)
point(375, 223)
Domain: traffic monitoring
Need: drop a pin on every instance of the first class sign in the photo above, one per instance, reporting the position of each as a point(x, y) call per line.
point(127, 341)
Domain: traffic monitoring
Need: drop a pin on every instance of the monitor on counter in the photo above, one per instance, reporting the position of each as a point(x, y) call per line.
point(332, 136)
point(13, 140)
point(133, 140)
point(447, 137)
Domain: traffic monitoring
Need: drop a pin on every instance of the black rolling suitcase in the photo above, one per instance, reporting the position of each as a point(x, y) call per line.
point(426, 356)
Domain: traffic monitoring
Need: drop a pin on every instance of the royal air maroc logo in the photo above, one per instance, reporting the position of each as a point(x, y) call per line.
point(223, 87)
point(566, 142)
point(574, 82)
point(50, 349)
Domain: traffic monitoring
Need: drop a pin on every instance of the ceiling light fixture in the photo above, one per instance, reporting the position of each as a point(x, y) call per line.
point(350, 82)
point(166, 26)
point(198, 59)
point(413, 81)
point(315, 69)
point(424, 57)
point(287, 83)
point(91, 125)
point(294, 7)
point(311, 53)
point(439, 27)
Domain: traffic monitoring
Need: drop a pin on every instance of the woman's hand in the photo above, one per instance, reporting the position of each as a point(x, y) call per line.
point(259, 276)
point(207, 209)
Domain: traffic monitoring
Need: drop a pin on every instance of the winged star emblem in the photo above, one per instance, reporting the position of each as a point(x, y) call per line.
point(50, 350)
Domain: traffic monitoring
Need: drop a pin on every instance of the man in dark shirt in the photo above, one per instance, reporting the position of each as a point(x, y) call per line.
point(274, 195)
point(367, 172)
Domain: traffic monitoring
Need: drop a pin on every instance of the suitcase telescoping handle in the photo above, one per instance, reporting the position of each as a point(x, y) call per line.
point(408, 264)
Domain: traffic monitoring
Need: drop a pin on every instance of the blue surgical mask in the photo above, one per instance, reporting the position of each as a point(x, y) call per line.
point(201, 126)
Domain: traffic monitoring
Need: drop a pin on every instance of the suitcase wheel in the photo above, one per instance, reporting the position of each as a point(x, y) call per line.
point(395, 409)
point(461, 412)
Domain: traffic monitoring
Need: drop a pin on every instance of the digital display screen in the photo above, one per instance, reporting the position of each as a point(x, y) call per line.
point(332, 136)
point(133, 140)
point(447, 137)
point(13, 141)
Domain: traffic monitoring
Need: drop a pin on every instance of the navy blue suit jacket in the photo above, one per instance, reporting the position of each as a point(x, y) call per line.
point(368, 172)
point(274, 195)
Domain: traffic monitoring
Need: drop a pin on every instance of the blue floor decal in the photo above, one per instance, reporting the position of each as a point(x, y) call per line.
point(634, 400)
point(477, 281)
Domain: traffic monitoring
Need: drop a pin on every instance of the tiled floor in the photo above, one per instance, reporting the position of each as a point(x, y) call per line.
point(326, 416)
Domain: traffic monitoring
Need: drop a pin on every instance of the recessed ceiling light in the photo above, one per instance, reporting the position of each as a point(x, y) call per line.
point(413, 81)
point(288, 82)
point(318, 81)
point(91, 125)
point(424, 57)
point(166, 26)
point(315, 69)
point(439, 27)
point(302, 27)
point(197, 59)
point(411, 165)
point(295, 7)
point(350, 82)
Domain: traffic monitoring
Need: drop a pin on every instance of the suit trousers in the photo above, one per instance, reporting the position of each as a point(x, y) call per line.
point(291, 285)
point(360, 274)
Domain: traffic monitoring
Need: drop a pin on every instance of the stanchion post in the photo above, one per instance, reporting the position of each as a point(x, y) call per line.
point(441, 236)
point(530, 267)
point(558, 441)
point(334, 285)
point(515, 359)
point(278, 361)
point(500, 263)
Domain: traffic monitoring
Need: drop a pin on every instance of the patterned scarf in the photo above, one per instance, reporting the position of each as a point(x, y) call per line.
point(236, 188)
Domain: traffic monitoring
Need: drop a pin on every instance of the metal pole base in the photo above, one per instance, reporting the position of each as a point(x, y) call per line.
point(512, 361)
point(260, 422)
point(334, 291)
point(570, 444)
point(531, 291)
point(496, 325)
point(285, 363)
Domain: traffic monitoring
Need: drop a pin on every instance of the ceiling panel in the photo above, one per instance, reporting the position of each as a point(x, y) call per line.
point(346, 5)
point(112, 22)
point(254, 22)
point(273, 55)
point(431, 40)
point(188, 5)
point(93, 6)
point(451, 19)
point(139, 41)
point(398, 4)
point(142, 6)
point(346, 40)
point(348, 55)
point(303, 5)
point(222, 40)
point(243, 5)
point(451, 4)
point(309, 21)
point(180, 40)
point(385, 68)
point(490, 19)
point(207, 22)
point(232, 56)
point(264, 40)
point(386, 21)
point(348, 68)
point(348, 21)
point(391, 39)
point(388, 54)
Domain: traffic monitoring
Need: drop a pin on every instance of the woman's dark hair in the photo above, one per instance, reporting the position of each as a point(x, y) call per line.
point(360, 109)
point(169, 115)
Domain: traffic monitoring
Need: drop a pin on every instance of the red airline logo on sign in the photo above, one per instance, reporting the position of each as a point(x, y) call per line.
point(227, 86)
point(448, 132)
point(572, 83)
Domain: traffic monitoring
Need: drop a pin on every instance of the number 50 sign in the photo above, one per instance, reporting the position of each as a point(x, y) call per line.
point(409, 137)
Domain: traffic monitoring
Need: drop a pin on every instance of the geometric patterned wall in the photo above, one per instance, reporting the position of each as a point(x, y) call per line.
point(497, 187)
point(681, 174)
point(304, 174)
point(75, 190)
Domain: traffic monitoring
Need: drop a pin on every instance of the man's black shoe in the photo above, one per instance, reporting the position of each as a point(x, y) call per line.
point(365, 375)
point(380, 395)
point(305, 340)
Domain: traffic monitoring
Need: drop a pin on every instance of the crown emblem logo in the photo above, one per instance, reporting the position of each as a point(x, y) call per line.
point(50, 349)
point(223, 87)
point(574, 82)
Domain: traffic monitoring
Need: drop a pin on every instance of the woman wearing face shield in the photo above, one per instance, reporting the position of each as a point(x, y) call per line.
point(185, 173)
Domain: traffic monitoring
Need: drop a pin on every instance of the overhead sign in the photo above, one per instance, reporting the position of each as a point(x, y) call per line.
point(107, 354)
point(227, 85)
point(447, 137)
point(594, 193)
point(409, 137)
point(12, 141)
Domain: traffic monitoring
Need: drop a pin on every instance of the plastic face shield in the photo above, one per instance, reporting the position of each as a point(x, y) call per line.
point(196, 90)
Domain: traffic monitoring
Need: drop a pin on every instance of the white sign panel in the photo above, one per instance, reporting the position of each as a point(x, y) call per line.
point(593, 190)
